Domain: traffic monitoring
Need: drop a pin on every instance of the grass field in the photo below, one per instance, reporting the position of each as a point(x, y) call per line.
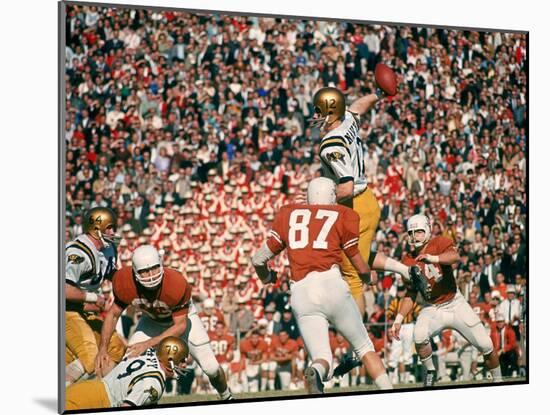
point(333, 391)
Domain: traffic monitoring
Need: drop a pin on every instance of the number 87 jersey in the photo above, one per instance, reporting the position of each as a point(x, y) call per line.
point(315, 236)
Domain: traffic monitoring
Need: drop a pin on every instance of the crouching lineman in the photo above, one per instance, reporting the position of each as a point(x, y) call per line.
point(446, 307)
point(136, 381)
point(315, 235)
point(89, 259)
point(164, 296)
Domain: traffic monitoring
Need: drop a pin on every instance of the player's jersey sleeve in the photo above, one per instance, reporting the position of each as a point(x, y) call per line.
point(350, 231)
point(336, 155)
point(145, 389)
point(122, 287)
point(276, 236)
point(442, 244)
point(177, 291)
point(78, 263)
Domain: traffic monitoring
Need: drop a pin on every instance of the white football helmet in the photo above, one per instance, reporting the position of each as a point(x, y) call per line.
point(418, 223)
point(321, 191)
point(208, 304)
point(144, 258)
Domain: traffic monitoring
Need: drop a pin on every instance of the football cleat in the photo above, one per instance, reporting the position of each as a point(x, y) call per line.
point(429, 379)
point(420, 283)
point(348, 363)
point(314, 385)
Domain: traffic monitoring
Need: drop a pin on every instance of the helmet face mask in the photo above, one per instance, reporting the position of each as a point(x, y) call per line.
point(147, 266)
point(330, 106)
point(321, 191)
point(418, 223)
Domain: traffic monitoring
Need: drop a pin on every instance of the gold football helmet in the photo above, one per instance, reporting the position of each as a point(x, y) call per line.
point(96, 222)
point(171, 351)
point(330, 106)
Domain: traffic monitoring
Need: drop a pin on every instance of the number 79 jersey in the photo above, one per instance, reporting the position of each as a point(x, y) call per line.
point(315, 236)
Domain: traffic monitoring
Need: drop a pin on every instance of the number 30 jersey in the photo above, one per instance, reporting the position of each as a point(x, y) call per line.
point(439, 276)
point(315, 236)
point(136, 381)
point(341, 152)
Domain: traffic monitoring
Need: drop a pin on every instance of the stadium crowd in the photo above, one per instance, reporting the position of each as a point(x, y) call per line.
point(193, 128)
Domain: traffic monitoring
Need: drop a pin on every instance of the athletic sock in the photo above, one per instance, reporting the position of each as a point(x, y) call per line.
point(383, 382)
point(428, 363)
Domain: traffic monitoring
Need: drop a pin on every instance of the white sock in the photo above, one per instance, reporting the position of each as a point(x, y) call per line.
point(263, 386)
point(271, 383)
point(353, 380)
point(497, 374)
point(392, 265)
point(383, 382)
point(428, 363)
point(320, 369)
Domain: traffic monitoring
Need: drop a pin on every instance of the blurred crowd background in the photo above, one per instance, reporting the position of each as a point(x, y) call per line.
point(192, 127)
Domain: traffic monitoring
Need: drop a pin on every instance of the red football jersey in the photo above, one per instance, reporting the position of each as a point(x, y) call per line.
point(254, 353)
point(279, 349)
point(171, 299)
point(315, 236)
point(335, 344)
point(221, 345)
point(210, 321)
point(440, 277)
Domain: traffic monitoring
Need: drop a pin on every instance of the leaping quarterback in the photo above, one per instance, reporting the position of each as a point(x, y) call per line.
point(341, 152)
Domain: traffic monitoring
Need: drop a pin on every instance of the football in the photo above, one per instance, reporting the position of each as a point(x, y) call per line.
point(386, 79)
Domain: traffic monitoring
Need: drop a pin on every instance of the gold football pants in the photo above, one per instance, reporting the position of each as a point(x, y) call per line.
point(82, 337)
point(368, 209)
point(89, 394)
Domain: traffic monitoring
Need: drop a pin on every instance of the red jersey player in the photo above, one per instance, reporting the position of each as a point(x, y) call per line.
point(164, 296)
point(315, 234)
point(446, 307)
point(254, 352)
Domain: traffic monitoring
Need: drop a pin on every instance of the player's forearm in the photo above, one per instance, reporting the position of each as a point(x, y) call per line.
point(344, 191)
point(363, 104)
point(406, 307)
point(108, 327)
point(76, 295)
point(259, 261)
point(361, 266)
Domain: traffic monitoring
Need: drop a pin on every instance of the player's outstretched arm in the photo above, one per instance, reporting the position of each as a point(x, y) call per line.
point(448, 257)
point(363, 104)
